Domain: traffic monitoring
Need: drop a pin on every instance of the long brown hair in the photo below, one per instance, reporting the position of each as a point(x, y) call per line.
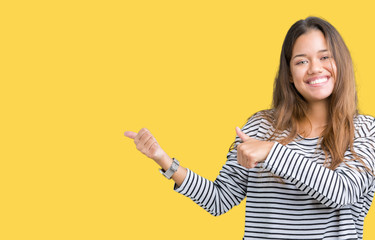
point(289, 107)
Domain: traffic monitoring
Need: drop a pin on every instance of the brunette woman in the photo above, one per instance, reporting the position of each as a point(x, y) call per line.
point(306, 166)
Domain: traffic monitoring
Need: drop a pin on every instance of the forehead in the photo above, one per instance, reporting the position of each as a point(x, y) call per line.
point(311, 42)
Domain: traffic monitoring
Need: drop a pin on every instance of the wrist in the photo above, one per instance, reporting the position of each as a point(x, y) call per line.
point(171, 170)
point(165, 162)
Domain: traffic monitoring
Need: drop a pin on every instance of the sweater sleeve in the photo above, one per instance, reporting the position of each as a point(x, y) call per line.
point(229, 188)
point(349, 182)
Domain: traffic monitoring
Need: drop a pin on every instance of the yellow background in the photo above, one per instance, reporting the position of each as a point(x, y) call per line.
point(76, 74)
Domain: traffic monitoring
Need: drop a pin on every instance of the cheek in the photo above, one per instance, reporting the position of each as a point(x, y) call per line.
point(335, 70)
point(297, 75)
point(331, 66)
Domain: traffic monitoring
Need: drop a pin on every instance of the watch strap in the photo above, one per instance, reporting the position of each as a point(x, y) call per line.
point(173, 168)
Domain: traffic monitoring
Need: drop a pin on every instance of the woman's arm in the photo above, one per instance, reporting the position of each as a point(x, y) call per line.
point(334, 188)
point(219, 196)
point(216, 197)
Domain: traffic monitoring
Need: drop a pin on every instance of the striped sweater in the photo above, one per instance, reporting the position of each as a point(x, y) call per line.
point(291, 195)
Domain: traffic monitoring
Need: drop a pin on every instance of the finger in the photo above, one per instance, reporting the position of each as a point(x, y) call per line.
point(249, 163)
point(139, 135)
point(130, 134)
point(148, 143)
point(143, 140)
point(242, 135)
point(240, 156)
point(154, 149)
point(252, 164)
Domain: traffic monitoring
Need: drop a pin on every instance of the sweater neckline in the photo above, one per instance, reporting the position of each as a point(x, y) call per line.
point(310, 139)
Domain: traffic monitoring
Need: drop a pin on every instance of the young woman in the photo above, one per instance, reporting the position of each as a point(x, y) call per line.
point(306, 166)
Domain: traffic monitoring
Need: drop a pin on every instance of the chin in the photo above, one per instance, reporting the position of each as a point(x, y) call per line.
point(320, 96)
point(319, 99)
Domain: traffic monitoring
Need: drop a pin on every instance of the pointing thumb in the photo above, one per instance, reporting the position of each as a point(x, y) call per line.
point(130, 134)
point(242, 135)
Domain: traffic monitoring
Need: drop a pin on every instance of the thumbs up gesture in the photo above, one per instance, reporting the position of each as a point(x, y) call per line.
point(251, 151)
point(147, 144)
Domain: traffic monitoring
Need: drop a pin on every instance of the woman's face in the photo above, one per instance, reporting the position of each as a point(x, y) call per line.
point(313, 67)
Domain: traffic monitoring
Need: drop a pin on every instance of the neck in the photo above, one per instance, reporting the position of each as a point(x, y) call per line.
point(318, 113)
point(317, 116)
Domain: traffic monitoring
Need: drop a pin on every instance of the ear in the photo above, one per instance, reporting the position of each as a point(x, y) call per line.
point(291, 80)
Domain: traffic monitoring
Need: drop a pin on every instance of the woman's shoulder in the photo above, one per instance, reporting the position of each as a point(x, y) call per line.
point(364, 124)
point(260, 118)
point(259, 124)
point(364, 119)
point(264, 114)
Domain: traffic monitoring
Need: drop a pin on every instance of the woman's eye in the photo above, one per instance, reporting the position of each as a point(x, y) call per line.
point(325, 57)
point(301, 62)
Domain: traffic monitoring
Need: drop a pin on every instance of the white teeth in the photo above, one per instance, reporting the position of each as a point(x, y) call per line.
point(320, 80)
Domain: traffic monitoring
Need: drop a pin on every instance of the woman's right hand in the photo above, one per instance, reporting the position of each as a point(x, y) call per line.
point(147, 144)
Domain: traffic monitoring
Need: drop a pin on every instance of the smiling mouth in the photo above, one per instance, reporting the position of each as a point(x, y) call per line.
point(317, 81)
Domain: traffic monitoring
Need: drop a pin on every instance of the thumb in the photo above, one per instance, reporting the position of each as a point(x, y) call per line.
point(242, 135)
point(130, 134)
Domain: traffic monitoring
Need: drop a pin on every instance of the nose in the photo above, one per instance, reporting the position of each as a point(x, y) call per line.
point(314, 67)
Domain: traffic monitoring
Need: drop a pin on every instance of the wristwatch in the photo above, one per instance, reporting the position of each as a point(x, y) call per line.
point(169, 173)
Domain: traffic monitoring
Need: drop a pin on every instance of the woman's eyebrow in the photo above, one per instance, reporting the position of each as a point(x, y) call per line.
point(304, 55)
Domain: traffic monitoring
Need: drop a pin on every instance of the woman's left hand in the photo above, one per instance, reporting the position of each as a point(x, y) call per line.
point(251, 151)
